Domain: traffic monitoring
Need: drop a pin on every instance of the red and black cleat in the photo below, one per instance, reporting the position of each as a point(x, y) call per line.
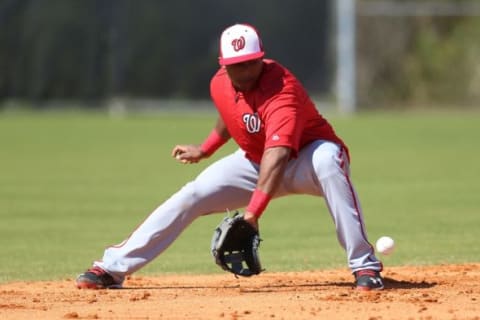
point(368, 280)
point(96, 278)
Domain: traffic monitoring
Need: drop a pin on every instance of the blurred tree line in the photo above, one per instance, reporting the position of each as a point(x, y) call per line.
point(93, 49)
point(420, 59)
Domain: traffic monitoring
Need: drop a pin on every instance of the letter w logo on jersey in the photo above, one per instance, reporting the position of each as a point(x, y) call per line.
point(252, 122)
point(238, 44)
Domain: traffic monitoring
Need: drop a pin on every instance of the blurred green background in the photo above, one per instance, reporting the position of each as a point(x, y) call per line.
point(407, 53)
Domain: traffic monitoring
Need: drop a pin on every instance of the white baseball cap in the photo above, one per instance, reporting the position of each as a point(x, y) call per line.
point(240, 43)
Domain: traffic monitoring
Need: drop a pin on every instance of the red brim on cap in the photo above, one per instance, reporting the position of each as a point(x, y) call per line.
point(247, 57)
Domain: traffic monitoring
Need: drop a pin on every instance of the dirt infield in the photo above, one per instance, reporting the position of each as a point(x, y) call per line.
point(424, 292)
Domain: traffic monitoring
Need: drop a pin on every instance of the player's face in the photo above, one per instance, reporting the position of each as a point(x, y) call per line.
point(244, 75)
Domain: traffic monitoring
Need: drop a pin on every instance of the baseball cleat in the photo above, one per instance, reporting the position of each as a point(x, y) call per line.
point(96, 278)
point(368, 280)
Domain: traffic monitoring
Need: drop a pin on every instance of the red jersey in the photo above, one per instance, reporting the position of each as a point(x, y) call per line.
point(277, 112)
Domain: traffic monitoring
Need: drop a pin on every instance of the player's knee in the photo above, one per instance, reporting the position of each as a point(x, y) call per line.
point(326, 161)
point(187, 196)
point(201, 188)
point(194, 197)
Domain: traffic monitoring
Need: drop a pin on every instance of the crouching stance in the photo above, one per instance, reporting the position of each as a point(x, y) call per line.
point(285, 147)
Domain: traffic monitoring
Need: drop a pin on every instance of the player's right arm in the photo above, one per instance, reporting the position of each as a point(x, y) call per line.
point(194, 153)
point(222, 130)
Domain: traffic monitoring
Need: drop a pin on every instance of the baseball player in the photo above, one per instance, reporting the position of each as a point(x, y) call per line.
point(285, 147)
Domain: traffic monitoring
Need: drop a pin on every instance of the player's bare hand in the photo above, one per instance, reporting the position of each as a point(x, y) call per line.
point(188, 153)
point(252, 219)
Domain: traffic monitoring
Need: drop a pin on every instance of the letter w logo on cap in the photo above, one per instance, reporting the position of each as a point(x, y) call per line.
point(238, 44)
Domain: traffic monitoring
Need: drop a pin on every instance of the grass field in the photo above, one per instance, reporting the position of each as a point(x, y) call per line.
point(74, 183)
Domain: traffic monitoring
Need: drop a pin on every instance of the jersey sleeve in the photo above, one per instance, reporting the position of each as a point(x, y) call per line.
point(284, 122)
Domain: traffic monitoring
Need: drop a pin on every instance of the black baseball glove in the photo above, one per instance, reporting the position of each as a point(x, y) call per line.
point(235, 245)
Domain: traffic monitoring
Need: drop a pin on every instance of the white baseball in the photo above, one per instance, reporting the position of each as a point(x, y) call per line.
point(385, 245)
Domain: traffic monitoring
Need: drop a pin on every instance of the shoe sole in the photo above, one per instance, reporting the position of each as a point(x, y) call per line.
point(361, 288)
point(86, 285)
point(94, 286)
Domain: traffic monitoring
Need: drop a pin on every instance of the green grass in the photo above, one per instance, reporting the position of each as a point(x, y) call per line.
point(73, 183)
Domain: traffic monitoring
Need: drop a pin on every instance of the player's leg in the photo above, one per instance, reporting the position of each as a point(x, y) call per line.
point(332, 168)
point(225, 185)
point(322, 168)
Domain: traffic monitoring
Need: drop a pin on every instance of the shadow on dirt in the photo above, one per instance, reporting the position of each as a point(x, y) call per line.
point(396, 284)
point(258, 288)
point(388, 282)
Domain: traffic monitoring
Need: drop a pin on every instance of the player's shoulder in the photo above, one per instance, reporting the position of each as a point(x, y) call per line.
point(278, 78)
point(275, 67)
point(220, 75)
point(220, 86)
point(219, 78)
